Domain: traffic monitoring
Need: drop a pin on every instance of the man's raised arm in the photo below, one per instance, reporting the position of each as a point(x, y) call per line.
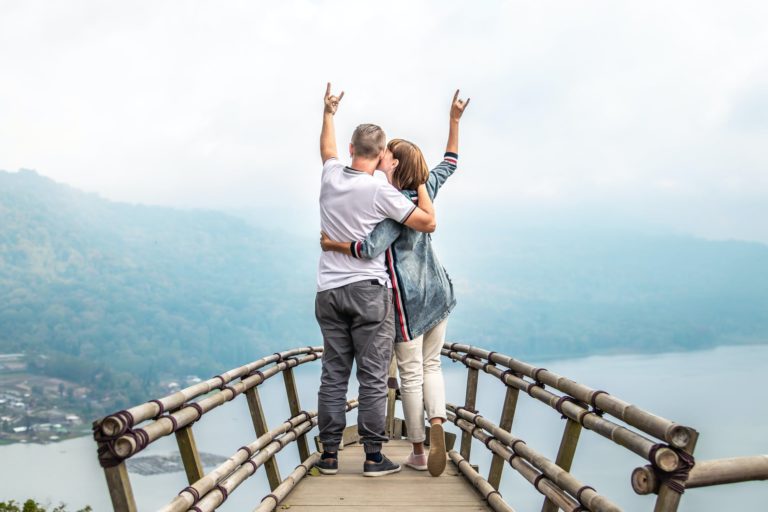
point(328, 133)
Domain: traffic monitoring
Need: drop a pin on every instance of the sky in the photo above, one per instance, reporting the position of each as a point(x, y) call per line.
point(595, 112)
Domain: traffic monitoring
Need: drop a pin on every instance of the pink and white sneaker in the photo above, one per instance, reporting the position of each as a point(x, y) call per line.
point(417, 462)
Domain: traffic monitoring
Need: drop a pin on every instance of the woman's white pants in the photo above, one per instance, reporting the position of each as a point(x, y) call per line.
point(421, 379)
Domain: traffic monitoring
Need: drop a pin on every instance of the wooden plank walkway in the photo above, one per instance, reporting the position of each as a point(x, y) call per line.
point(406, 490)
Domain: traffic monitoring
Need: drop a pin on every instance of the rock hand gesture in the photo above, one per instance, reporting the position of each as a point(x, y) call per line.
point(332, 102)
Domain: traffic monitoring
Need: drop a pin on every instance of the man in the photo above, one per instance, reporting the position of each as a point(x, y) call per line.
point(354, 297)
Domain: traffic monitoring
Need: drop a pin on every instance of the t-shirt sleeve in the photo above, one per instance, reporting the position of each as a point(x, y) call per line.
point(331, 165)
point(392, 204)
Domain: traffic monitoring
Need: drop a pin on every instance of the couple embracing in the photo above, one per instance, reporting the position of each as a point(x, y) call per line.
point(381, 287)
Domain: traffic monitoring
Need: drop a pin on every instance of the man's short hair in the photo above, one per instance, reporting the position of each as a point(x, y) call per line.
point(368, 140)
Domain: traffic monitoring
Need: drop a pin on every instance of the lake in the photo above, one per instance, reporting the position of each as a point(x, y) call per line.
point(719, 392)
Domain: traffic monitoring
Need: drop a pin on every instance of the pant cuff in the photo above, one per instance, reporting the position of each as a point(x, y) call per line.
point(372, 447)
point(330, 447)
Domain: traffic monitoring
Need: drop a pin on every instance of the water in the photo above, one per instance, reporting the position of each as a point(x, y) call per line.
point(719, 392)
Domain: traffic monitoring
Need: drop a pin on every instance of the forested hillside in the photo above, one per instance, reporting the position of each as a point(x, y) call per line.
point(138, 289)
point(127, 291)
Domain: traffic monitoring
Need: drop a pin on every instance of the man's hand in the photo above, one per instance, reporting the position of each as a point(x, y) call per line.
point(457, 105)
point(328, 132)
point(325, 241)
point(332, 245)
point(332, 102)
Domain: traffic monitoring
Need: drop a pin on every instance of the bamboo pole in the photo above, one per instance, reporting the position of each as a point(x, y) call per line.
point(644, 480)
point(512, 448)
point(485, 489)
point(675, 434)
point(536, 478)
point(218, 495)
point(469, 403)
point(728, 471)
point(185, 439)
point(190, 495)
point(505, 423)
point(295, 407)
point(117, 424)
point(261, 428)
point(271, 501)
point(565, 454)
point(120, 491)
point(135, 440)
point(665, 458)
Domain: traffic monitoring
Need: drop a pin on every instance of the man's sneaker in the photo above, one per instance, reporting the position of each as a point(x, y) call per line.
point(417, 462)
point(328, 466)
point(436, 459)
point(385, 467)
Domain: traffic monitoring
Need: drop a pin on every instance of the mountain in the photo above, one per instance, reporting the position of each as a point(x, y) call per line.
point(139, 289)
point(100, 286)
point(552, 293)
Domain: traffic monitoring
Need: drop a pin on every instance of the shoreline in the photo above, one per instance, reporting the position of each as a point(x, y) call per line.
point(87, 433)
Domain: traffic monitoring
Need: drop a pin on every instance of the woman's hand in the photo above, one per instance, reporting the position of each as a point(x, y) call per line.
point(458, 106)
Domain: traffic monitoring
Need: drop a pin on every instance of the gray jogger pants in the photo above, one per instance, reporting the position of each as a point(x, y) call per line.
point(358, 323)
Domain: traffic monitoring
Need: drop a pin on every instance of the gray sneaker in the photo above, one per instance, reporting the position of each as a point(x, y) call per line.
point(385, 467)
point(328, 466)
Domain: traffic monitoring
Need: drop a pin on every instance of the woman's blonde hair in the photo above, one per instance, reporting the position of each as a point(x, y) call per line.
point(412, 170)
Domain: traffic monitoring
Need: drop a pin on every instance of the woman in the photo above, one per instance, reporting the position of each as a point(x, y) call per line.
point(423, 292)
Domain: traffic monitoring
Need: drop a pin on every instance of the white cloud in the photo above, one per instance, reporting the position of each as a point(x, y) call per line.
point(217, 105)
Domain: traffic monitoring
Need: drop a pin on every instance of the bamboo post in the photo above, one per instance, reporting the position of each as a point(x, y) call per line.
point(391, 397)
point(668, 499)
point(260, 425)
point(120, 491)
point(189, 454)
point(565, 454)
point(507, 416)
point(469, 404)
point(295, 405)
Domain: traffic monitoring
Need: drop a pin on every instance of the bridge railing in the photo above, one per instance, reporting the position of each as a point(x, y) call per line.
point(666, 445)
point(123, 434)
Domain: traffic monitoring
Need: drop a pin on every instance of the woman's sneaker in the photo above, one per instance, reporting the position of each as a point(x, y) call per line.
point(328, 465)
point(417, 462)
point(436, 459)
point(385, 467)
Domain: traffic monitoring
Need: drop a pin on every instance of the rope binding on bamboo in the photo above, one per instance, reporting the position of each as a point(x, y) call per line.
point(676, 478)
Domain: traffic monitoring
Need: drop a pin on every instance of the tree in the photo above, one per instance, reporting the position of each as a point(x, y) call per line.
point(32, 506)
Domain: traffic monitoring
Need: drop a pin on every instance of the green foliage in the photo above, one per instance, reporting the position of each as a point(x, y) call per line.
point(33, 506)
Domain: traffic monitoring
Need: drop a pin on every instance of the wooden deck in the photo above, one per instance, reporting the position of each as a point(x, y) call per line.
point(406, 490)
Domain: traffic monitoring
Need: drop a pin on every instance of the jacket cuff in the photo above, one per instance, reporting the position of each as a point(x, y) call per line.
point(355, 248)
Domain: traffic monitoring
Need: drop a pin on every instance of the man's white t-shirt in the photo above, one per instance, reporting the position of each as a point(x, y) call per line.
point(351, 204)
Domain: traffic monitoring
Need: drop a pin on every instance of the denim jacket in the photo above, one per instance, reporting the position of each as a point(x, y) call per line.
point(422, 290)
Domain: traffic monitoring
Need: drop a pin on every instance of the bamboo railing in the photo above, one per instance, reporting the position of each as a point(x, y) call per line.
point(665, 445)
point(123, 434)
